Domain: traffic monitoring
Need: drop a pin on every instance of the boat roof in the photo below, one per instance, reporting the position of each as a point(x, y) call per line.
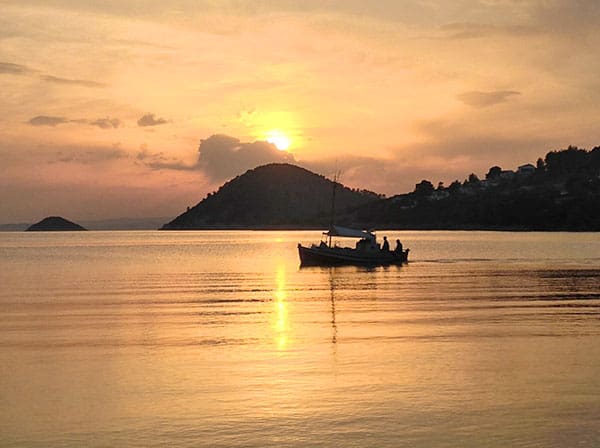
point(349, 233)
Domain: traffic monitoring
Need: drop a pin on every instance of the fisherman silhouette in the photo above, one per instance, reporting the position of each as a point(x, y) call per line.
point(386, 246)
point(399, 247)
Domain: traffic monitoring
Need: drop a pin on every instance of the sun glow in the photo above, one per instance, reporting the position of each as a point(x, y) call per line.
point(279, 139)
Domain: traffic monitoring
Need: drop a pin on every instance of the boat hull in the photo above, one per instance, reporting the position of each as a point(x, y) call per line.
point(335, 256)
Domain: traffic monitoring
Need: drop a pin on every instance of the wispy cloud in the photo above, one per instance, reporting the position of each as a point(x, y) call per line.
point(150, 120)
point(46, 120)
point(159, 161)
point(49, 120)
point(15, 69)
point(106, 123)
point(485, 99)
point(88, 157)
point(11, 68)
point(73, 82)
point(460, 31)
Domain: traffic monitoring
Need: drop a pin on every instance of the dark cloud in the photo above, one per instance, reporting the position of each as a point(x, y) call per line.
point(106, 123)
point(159, 161)
point(103, 123)
point(72, 82)
point(15, 69)
point(485, 99)
point(45, 120)
point(221, 157)
point(150, 120)
point(164, 163)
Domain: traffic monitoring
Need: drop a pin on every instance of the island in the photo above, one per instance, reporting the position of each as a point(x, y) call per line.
point(277, 195)
point(54, 224)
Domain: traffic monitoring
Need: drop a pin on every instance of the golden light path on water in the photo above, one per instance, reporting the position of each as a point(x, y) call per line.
point(281, 324)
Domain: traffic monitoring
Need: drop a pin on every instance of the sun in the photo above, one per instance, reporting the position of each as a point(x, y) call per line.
point(279, 139)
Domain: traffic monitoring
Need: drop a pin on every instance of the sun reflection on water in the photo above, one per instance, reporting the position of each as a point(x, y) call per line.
point(281, 319)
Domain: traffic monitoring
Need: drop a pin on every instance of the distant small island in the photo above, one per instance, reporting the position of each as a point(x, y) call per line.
point(560, 192)
point(54, 224)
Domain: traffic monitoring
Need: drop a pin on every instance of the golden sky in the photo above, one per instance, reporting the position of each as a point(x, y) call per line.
point(105, 104)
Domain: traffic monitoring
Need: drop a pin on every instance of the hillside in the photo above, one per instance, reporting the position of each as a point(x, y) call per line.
point(561, 192)
point(54, 224)
point(274, 195)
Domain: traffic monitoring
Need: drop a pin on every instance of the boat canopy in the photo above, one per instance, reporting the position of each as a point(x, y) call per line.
point(349, 233)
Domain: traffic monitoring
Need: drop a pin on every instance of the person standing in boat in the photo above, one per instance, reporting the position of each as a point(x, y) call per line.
point(386, 245)
point(399, 248)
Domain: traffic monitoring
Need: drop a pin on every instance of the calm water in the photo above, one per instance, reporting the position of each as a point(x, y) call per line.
point(219, 339)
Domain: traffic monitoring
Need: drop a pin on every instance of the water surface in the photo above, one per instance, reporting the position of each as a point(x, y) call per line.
point(219, 339)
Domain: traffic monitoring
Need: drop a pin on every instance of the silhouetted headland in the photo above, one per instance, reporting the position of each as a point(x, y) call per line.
point(559, 192)
point(277, 195)
point(54, 224)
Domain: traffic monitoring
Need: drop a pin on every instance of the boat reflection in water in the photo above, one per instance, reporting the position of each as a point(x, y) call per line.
point(367, 250)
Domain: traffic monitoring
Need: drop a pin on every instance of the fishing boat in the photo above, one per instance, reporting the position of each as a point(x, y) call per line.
point(367, 251)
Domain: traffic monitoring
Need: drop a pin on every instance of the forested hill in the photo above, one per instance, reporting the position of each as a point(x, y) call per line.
point(275, 195)
point(561, 192)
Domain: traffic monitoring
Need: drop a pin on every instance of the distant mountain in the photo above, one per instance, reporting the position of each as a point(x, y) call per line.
point(274, 195)
point(54, 224)
point(17, 227)
point(103, 224)
point(125, 224)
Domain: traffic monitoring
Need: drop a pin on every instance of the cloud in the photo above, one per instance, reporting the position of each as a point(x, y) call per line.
point(106, 123)
point(462, 30)
point(90, 156)
point(221, 156)
point(19, 69)
point(45, 120)
point(103, 123)
point(73, 82)
point(15, 69)
point(149, 120)
point(159, 161)
point(485, 99)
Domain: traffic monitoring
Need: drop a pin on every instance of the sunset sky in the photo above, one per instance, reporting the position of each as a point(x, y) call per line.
point(105, 104)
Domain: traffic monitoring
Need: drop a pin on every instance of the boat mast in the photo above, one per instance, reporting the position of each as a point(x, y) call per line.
point(332, 218)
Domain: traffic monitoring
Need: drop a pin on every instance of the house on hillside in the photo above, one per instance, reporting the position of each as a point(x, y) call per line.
point(526, 170)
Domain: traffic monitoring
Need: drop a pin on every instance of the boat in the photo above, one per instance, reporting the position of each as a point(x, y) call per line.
point(367, 250)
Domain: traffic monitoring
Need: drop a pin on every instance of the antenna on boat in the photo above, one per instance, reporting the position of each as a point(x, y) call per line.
point(336, 177)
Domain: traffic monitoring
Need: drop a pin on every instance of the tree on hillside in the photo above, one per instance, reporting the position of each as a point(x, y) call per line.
point(424, 188)
point(566, 161)
point(493, 173)
point(473, 179)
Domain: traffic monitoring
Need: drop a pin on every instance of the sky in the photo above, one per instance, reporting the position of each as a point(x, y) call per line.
point(130, 108)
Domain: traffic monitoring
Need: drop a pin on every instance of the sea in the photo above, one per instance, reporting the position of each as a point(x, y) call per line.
point(221, 339)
